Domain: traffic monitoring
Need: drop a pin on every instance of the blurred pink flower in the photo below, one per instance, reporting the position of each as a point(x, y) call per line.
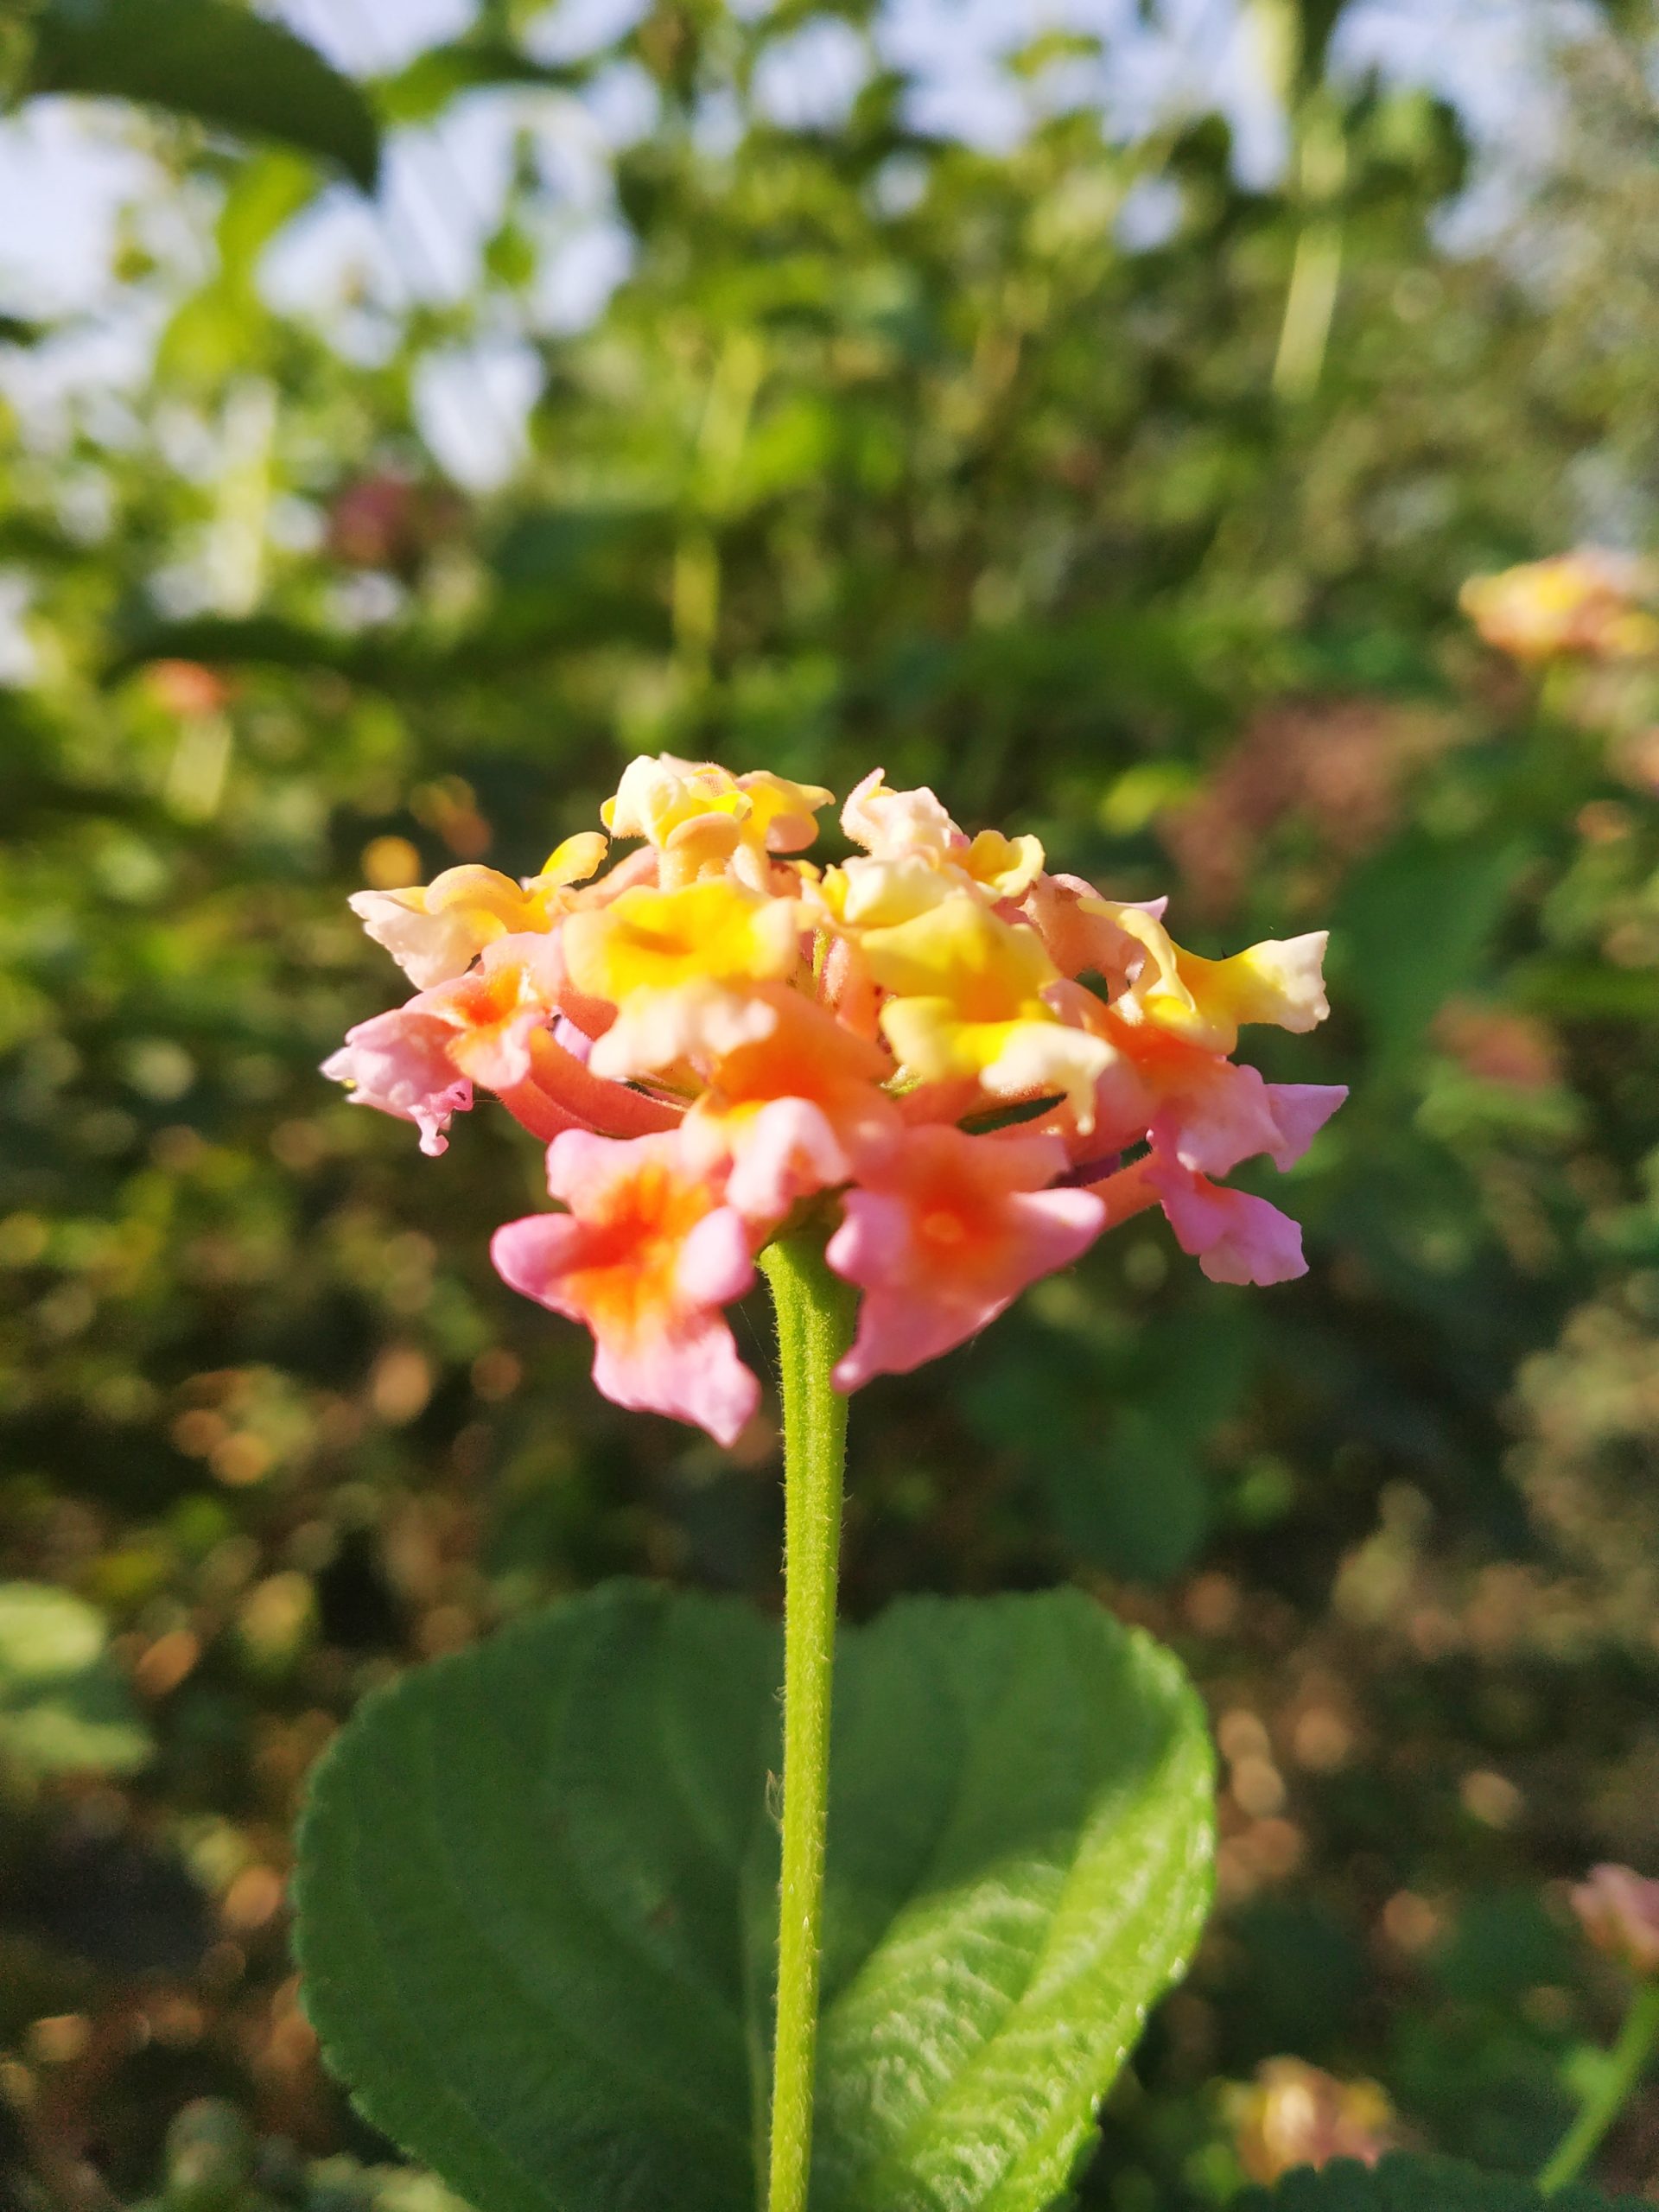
point(1618, 1910)
point(185, 687)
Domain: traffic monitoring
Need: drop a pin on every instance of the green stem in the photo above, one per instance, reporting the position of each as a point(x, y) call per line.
point(1620, 2073)
point(814, 1310)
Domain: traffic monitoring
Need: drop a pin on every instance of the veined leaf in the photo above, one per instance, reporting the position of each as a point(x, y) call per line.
point(537, 1889)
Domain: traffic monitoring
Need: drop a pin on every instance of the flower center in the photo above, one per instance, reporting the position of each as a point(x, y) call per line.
point(942, 1227)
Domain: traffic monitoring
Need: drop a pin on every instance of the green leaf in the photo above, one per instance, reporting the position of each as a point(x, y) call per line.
point(537, 1882)
point(1136, 1498)
point(1404, 2183)
point(64, 1704)
point(1019, 1865)
point(1140, 1506)
point(268, 641)
point(1414, 925)
point(426, 86)
point(211, 331)
point(206, 58)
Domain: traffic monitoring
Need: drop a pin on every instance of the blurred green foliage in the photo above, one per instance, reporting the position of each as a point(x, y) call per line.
point(63, 1708)
point(1401, 2182)
point(1123, 501)
point(209, 60)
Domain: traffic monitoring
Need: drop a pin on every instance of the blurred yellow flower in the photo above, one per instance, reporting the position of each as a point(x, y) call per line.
point(1587, 602)
point(1294, 2115)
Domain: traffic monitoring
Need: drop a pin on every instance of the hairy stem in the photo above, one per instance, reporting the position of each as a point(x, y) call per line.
point(814, 1310)
point(1619, 2076)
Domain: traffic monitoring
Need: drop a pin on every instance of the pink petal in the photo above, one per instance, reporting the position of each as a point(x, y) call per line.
point(571, 1039)
point(716, 1261)
point(650, 1289)
point(534, 1254)
point(785, 1152)
point(693, 1375)
point(501, 1061)
point(399, 1062)
point(1124, 1106)
point(904, 1322)
point(1224, 1117)
point(1220, 1115)
point(1301, 1111)
point(1018, 1160)
point(1235, 1236)
point(953, 1229)
point(580, 1163)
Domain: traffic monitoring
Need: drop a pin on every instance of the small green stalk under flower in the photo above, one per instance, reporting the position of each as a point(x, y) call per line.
point(814, 1325)
point(1621, 2068)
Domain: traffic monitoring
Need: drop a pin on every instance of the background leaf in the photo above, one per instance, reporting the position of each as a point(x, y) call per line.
point(64, 1704)
point(1413, 926)
point(425, 88)
point(203, 58)
point(1406, 2183)
point(537, 1887)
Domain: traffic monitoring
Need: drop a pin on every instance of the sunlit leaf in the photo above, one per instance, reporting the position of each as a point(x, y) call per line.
point(538, 1887)
point(433, 78)
point(223, 65)
point(64, 1704)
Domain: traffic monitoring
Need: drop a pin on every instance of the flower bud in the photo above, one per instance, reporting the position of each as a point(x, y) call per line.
point(1294, 2115)
point(1618, 1910)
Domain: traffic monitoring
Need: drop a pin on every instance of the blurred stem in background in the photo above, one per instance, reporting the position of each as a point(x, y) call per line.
point(1291, 56)
point(1619, 2072)
point(1316, 272)
point(721, 437)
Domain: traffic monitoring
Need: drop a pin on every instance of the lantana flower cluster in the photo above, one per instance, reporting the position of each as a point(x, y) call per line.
point(971, 1067)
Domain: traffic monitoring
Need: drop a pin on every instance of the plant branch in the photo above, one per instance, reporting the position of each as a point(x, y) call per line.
point(1621, 2070)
